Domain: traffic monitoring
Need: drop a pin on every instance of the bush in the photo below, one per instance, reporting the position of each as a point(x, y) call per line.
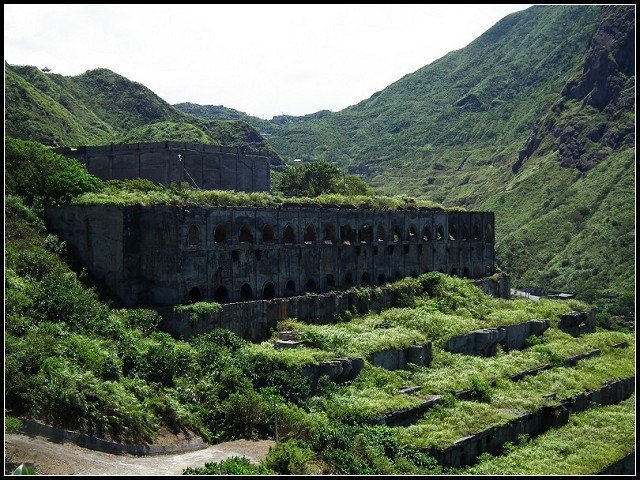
point(230, 466)
point(480, 389)
point(142, 319)
point(289, 458)
point(41, 176)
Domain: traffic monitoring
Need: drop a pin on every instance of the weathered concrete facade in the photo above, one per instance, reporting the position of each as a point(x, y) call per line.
point(166, 255)
point(209, 167)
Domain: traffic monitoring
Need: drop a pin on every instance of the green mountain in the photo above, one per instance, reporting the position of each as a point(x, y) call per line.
point(100, 107)
point(534, 120)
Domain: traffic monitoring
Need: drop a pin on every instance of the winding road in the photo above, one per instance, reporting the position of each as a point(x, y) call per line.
point(52, 458)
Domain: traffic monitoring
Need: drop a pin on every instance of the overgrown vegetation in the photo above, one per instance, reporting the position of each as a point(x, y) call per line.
point(144, 192)
point(314, 179)
point(591, 441)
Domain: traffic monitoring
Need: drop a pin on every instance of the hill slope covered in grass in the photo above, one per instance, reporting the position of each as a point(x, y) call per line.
point(101, 107)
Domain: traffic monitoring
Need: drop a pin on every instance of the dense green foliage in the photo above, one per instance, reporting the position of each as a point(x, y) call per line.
point(144, 192)
point(591, 441)
point(230, 466)
point(314, 179)
point(500, 125)
point(101, 107)
point(39, 175)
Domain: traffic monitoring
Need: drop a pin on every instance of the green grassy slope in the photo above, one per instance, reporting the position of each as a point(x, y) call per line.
point(101, 106)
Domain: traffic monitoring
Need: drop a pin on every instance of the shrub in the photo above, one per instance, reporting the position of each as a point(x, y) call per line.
point(230, 466)
point(480, 389)
point(289, 458)
point(39, 175)
point(142, 319)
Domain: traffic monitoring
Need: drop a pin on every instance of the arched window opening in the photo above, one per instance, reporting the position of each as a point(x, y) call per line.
point(397, 234)
point(221, 295)
point(488, 234)
point(464, 233)
point(309, 234)
point(375, 250)
point(258, 255)
point(390, 249)
point(405, 249)
point(220, 235)
point(235, 255)
point(453, 234)
point(269, 291)
point(290, 288)
point(439, 233)
point(347, 235)
point(365, 279)
point(426, 234)
point(246, 293)
point(366, 234)
point(414, 274)
point(329, 234)
point(194, 295)
point(311, 285)
point(420, 249)
point(330, 281)
point(267, 235)
point(193, 238)
point(413, 233)
point(476, 271)
point(348, 278)
point(441, 271)
point(476, 232)
point(381, 234)
point(382, 279)
point(288, 237)
point(358, 250)
point(245, 234)
point(453, 272)
point(397, 275)
point(465, 272)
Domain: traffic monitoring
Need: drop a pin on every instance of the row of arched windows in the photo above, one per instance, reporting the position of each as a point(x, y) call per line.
point(348, 236)
point(221, 293)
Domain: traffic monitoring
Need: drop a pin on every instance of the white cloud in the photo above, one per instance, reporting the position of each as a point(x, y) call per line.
point(261, 59)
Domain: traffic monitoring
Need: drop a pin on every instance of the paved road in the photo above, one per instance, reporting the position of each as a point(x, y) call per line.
point(66, 459)
point(530, 296)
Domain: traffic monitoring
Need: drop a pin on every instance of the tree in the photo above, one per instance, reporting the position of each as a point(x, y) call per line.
point(313, 179)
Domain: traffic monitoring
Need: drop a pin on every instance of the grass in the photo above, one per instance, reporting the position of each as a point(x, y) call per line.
point(127, 193)
point(590, 442)
point(444, 424)
point(375, 392)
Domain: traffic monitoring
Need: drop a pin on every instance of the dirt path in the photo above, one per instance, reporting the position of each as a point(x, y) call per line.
point(65, 459)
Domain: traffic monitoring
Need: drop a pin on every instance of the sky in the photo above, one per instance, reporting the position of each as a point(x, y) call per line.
point(264, 60)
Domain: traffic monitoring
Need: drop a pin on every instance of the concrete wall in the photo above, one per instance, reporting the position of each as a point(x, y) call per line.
point(466, 450)
point(31, 427)
point(170, 255)
point(207, 166)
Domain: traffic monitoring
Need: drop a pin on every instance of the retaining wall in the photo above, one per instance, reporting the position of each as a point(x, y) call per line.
point(31, 427)
point(466, 450)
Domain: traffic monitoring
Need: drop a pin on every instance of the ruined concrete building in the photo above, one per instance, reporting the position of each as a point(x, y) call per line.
point(208, 167)
point(165, 255)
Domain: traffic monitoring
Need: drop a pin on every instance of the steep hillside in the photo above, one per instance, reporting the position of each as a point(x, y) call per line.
point(101, 106)
point(534, 119)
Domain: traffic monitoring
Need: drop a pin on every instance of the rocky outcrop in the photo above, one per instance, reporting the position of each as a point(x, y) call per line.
point(606, 84)
point(577, 323)
point(497, 285)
